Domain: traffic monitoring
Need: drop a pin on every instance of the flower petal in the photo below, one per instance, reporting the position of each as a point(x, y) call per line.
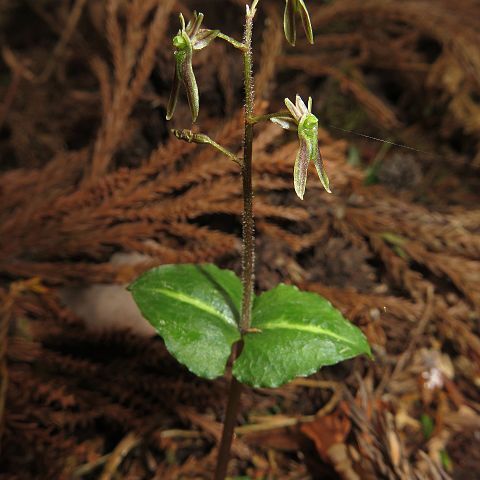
point(203, 38)
point(300, 104)
point(182, 22)
point(286, 122)
point(296, 114)
point(194, 24)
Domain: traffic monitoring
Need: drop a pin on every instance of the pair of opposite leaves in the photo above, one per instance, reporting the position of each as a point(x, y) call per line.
point(196, 309)
point(298, 116)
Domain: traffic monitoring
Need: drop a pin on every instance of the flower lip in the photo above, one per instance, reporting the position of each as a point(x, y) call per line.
point(310, 121)
point(179, 41)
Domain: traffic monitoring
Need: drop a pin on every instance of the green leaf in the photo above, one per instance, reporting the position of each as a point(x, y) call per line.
point(371, 175)
point(300, 332)
point(428, 425)
point(446, 460)
point(195, 308)
point(393, 238)
point(353, 157)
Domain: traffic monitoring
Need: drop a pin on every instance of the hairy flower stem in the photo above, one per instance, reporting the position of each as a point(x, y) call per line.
point(248, 246)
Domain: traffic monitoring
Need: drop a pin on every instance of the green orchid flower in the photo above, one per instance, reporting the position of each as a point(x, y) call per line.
point(188, 40)
point(300, 118)
point(292, 8)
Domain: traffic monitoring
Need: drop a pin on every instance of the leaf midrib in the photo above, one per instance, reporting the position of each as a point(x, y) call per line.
point(181, 297)
point(281, 324)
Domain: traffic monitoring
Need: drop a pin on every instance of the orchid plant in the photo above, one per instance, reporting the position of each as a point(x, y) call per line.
point(207, 315)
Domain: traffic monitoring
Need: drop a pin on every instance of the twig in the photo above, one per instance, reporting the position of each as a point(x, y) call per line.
point(8, 300)
point(311, 383)
point(5, 314)
point(272, 423)
point(117, 456)
point(67, 33)
point(9, 96)
point(416, 335)
point(19, 71)
point(90, 467)
point(248, 244)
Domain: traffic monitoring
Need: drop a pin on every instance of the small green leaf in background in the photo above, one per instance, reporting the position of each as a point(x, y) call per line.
point(447, 462)
point(396, 241)
point(371, 175)
point(427, 426)
point(371, 172)
point(300, 332)
point(353, 156)
point(195, 308)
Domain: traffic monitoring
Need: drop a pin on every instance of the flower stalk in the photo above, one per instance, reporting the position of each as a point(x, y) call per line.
point(248, 244)
point(200, 138)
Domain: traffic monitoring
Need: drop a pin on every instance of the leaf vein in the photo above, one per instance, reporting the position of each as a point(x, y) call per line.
point(181, 297)
point(304, 328)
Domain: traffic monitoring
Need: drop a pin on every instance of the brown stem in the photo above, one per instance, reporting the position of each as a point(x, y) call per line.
point(248, 247)
point(233, 404)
